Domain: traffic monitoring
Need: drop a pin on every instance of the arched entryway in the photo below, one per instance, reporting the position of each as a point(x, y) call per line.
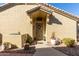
point(39, 25)
point(38, 17)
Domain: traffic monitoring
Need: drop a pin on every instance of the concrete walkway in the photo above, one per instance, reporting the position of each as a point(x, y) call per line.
point(46, 50)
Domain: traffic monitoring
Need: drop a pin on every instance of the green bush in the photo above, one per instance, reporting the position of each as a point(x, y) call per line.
point(69, 42)
point(29, 39)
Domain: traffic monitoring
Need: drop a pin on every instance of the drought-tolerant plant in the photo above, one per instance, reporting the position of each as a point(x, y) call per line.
point(29, 39)
point(69, 42)
point(6, 45)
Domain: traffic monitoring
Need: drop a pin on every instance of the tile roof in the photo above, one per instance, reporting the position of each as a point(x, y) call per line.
point(67, 14)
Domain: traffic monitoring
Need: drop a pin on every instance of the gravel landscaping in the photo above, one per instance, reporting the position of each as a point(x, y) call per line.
point(70, 51)
point(20, 52)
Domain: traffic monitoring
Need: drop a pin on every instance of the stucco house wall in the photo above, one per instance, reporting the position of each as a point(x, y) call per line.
point(62, 26)
point(15, 20)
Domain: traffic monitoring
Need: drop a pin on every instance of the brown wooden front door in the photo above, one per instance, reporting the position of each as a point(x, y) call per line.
point(38, 29)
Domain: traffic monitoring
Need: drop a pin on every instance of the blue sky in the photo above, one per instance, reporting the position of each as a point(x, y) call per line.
point(73, 8)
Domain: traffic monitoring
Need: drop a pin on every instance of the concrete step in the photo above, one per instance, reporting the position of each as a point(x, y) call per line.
point(41, 42)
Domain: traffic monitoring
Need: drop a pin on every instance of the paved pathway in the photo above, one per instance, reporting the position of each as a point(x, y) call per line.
point(46, 50)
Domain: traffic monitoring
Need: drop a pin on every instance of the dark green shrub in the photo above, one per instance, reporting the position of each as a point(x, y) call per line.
point(29, 39)
point(69, 42)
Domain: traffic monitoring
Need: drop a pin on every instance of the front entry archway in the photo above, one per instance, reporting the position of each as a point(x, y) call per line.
point(38, 17)
point(39, 25)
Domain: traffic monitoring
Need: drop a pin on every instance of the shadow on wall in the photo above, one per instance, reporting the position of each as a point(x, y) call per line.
point(0, 39)
point(26, 38)
point(53, 19)
point(9, 5)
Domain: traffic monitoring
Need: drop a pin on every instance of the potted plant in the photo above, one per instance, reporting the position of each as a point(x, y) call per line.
point(26, 46)
point(54, 39)
point(28, 42)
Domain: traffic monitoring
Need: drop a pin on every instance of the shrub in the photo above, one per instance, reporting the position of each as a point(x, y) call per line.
point(29, 39)
point(69, 42)
point(6, 45)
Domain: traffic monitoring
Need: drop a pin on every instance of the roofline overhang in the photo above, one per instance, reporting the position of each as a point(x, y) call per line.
point(62, 12)
point(57, 10)
point(39, 8)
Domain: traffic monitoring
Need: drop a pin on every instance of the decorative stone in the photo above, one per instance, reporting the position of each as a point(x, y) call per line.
point(53, 42)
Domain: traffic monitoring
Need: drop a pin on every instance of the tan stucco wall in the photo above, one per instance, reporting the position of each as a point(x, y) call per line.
point(13, 40)
point(65, 30)
point(14, 20)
